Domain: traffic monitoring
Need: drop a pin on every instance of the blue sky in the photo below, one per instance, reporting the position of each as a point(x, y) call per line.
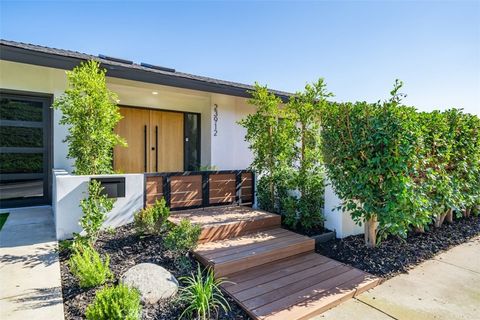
point(360, 48)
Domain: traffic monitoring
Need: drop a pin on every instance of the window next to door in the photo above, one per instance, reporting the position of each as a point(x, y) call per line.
point(192, 142)
point(24, 148)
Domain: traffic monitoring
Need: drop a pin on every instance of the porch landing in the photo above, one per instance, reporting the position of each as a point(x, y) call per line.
point(275, 273)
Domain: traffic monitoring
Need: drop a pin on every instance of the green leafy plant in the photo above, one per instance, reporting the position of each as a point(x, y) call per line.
point(95, 208)
point(153, 219)
point(202, 295)
point(182, 238)
point(89, 110)
point(115, 303)
point(269, 134)
point(89, 268)
point(370, 153)
point(303, 111)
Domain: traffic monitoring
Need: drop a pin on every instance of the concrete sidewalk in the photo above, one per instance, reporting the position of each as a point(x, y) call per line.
point(445, 287)
point(30, 285)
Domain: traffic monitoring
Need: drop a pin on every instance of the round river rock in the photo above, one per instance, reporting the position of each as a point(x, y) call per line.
point(153, 282)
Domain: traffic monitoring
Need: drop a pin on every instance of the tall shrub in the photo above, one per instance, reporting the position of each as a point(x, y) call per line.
point(271, 141)
point(89, 110)
point(464, 164)
point(303, 111)
point(370, 155)
point(433, 175)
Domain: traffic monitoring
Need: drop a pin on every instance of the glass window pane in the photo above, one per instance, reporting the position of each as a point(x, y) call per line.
point(21, 163)
point(21, 137)
point(13, 109)
point(192, 142)
point(21, 189)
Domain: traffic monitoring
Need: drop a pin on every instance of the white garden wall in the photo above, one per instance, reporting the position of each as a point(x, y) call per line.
point(68, 190)
point(337, 220)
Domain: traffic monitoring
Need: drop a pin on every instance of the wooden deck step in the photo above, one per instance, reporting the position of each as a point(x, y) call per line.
point(297, 287)
point(226, 222)
point(241, 253)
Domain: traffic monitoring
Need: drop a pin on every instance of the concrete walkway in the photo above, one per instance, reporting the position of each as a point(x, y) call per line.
point(445, 287)
point(30, 286)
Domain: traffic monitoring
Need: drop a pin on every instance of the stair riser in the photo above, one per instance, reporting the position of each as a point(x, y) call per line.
point(225, 269)
point(227, 231)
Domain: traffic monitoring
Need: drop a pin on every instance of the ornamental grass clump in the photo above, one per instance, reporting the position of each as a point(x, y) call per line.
point(152, 220)
point(202, 295)
point(89, 268)
point(115, 303)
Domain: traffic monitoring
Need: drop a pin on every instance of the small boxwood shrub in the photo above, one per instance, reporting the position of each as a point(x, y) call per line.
point(152, 220)
point(89, 268)
point(182, 238)
point(115, 303)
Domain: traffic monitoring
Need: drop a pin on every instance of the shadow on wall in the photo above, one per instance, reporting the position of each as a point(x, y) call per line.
point(71, 189)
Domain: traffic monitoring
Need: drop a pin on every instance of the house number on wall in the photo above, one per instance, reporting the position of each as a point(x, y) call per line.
point(215, 120)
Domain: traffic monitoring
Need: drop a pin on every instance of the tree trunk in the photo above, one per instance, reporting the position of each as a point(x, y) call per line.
point(439, 219)
point(467, 212)
point(449, 216)
point(371, 232)
point(420, 229)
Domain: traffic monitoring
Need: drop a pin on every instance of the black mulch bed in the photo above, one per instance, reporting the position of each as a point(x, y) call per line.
point(127, 249)
point(395, 255)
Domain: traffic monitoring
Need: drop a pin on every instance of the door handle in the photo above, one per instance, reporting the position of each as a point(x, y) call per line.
point(145, 149)
point(156, 148)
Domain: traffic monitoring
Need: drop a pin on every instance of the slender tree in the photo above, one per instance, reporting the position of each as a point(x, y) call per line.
point(90, 112)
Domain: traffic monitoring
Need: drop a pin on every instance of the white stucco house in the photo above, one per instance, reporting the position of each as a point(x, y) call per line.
point(192, 117)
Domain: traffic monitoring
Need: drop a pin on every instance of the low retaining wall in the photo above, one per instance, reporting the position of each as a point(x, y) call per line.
point(69, 189)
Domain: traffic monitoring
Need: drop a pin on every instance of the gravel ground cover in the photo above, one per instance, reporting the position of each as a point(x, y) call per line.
point(127, 249)
point(395, 255)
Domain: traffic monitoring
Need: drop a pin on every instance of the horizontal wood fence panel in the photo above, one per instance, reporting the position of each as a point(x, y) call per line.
point(185, 190)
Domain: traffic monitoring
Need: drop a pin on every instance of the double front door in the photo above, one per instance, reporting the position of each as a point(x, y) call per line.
point(156, 141)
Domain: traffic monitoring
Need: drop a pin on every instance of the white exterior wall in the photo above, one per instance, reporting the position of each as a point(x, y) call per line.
point(337, 220)
point(229, 148)
point(69, 189)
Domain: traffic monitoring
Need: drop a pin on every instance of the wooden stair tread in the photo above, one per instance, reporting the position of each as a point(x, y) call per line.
point(218, 223)
point(273, 273)
point(299, 290)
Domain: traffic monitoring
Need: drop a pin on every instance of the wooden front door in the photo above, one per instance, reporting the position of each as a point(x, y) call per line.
point(154, 138)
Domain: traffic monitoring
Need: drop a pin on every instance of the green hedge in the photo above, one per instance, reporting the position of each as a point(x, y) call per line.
point(400, 168)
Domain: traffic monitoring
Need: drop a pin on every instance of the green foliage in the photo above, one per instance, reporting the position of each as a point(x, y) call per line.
point(95, 208)
point(203, 295)
point(89, 110)
point(89, 268)
point(370, 153)
point(182, 238)
point(271, 140)
point(465, 165)
point(152, 220)
point(304, 111)
point(115, 303)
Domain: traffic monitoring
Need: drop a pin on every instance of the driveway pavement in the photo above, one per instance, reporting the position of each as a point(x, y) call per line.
point(30, 285)
point(445, 287)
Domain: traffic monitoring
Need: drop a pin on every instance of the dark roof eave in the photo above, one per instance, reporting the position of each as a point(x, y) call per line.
point(46, 59)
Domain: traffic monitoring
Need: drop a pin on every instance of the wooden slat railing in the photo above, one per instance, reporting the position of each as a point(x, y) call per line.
point(195, 189)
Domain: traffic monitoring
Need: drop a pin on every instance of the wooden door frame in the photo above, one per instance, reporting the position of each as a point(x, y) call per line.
point(199, 130)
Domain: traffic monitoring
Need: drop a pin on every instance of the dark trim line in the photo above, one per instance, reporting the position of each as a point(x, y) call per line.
point(56, 60)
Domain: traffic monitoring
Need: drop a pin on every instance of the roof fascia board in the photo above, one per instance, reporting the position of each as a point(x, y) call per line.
point(26, 56)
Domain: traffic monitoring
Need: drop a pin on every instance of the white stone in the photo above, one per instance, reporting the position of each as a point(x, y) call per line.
point(153, 282)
